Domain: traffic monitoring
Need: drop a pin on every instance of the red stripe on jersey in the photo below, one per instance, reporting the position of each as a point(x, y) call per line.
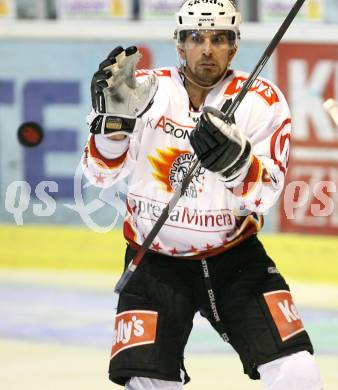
point(252, 178)
point(157, 72)
point(274, 149)
point(102, 161)
point(129, 209)
point(128, 231)
point(261, 87)
point(163, 73)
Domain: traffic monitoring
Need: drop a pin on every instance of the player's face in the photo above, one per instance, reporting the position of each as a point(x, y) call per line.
point(207, 54)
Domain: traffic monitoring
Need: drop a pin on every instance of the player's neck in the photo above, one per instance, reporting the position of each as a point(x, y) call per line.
point(196, 94)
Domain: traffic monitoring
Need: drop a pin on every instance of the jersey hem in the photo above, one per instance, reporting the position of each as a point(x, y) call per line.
point(201, 255)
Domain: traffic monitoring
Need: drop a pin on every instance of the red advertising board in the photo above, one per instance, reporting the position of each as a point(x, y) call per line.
point(308, 75)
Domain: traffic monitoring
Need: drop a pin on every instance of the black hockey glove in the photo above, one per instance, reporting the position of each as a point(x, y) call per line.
point(220, 147)
point(117, 97)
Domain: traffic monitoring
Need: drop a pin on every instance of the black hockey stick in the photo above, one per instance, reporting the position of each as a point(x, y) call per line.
point(180, 190)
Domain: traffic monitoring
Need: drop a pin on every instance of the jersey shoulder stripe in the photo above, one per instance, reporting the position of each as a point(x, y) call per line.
point(161, 72)
point(260, 86)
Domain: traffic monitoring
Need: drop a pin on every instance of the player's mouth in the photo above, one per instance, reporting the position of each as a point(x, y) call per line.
point(207, 66)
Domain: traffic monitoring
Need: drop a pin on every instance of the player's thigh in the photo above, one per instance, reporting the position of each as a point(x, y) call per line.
point(152, 325)
point(260, 316)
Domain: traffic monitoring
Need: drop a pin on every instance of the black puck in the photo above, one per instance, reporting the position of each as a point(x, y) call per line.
point(30, 134)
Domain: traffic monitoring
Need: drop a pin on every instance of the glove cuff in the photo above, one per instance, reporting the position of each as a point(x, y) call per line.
point(239, 166)
point(107, 125)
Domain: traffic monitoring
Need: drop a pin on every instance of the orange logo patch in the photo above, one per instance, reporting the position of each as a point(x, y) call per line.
point(261, 87)
point(284, 313)
point(132, 328)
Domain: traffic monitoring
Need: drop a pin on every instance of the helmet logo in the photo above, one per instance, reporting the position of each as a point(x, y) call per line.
point(193, 2)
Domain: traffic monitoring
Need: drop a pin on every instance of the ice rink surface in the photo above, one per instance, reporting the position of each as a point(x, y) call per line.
point(55, 333)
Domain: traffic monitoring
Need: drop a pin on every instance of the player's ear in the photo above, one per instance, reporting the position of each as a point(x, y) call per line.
point(232, 53)
point(181, 52)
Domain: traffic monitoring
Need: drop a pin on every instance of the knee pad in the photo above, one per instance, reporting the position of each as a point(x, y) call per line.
point(293, 372)
point(140, 383)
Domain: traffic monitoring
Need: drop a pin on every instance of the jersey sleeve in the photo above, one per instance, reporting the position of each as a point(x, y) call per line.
point(269, 133)
point(105, 162)
point(100, 170)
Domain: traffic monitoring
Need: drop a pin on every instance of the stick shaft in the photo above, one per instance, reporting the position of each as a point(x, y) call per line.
point(196, 165)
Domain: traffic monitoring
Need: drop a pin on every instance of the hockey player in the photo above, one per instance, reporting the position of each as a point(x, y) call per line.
point(207, 258)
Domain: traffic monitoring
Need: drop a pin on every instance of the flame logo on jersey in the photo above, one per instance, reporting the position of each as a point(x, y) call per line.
point(171, 166)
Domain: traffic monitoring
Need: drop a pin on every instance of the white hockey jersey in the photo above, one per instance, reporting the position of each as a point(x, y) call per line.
point(212, 216)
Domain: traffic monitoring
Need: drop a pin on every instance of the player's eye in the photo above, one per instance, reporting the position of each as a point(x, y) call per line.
point(220, 39)
point(197, 38)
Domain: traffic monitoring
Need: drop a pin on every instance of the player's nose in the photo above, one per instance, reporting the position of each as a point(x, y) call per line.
point(207, 47)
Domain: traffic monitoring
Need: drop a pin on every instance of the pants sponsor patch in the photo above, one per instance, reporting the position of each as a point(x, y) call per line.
point(284, 313)
point(132, 328)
